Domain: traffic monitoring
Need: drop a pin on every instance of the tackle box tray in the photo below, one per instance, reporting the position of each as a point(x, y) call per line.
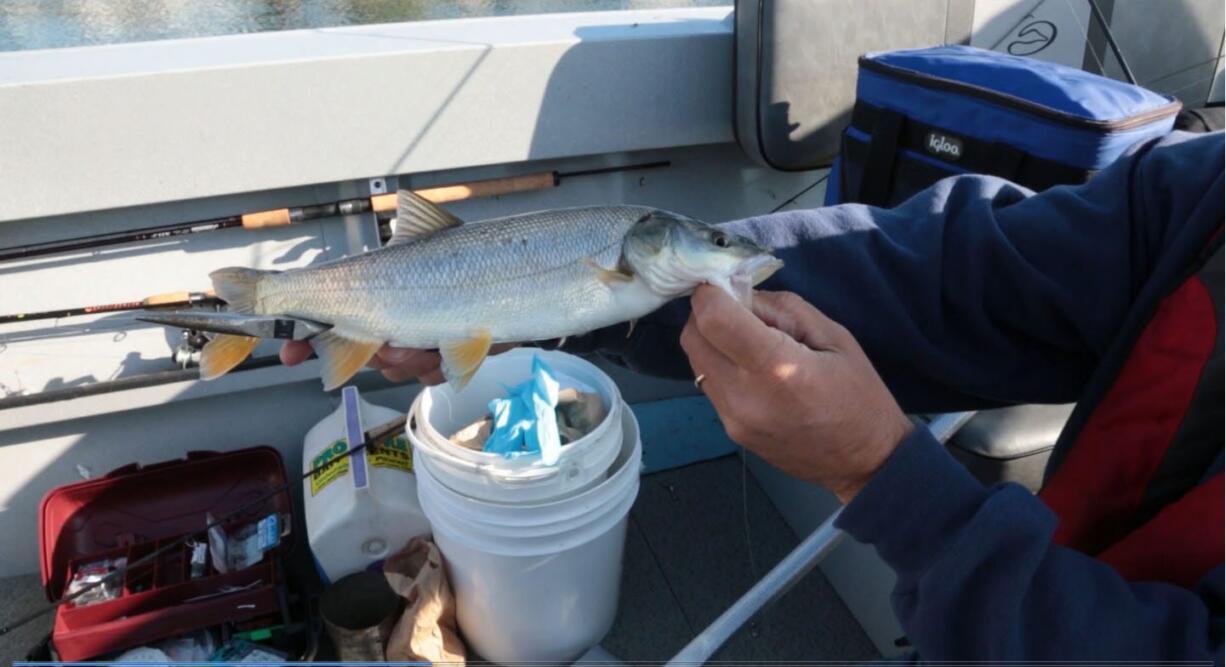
point(135, 510)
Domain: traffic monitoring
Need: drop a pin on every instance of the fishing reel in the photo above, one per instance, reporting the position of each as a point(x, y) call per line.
point(187, 354)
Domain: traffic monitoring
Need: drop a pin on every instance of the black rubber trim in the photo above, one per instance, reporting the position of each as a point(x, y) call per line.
point(877, 179)
point(1011, 101)
point(758, 103)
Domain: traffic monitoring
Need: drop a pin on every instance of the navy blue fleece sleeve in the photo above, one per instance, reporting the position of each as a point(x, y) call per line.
point(975, 292)
point(979, 578)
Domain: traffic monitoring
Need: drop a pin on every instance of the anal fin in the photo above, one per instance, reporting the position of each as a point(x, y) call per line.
point(340, 358)
point(224, 352)
point(462, 358)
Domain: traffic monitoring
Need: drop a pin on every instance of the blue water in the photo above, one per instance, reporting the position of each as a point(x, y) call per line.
point(43, 24)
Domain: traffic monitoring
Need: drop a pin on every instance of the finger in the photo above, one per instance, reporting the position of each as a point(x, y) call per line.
point(734, 330)
point(722, 379)
point(397, 374)
point(395, 356)
point(402, 364)
point(403, 374)
point(376, 362)
point(797, 318)
point(705, 359)
point(295, 352)
point(432, 378)
point(411, 365)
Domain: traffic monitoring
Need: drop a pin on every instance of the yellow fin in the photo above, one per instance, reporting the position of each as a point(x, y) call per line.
point(462, 358)
point(608, 276)
point(224, 352)
point(340, 357)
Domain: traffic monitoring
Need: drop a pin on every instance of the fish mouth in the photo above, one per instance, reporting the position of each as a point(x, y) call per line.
point(757, 269)
point(749, 274)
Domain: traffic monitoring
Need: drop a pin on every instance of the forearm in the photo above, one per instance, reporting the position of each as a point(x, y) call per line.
point(976, 292)
point(979, 578)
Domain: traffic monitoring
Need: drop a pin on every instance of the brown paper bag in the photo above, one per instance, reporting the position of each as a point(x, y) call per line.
point(427, 629)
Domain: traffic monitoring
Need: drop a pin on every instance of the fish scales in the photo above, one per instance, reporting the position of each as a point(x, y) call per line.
point(459, 287)
point(521, 278)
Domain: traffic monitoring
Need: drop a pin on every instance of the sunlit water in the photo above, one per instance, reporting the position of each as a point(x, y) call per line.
point(43, 24)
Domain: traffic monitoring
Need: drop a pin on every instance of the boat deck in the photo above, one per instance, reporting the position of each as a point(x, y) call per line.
point(687, 559)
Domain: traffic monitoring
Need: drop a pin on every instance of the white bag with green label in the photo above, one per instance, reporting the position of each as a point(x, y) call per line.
point(359, 508)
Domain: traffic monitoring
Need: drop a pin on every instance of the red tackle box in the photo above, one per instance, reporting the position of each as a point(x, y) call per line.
point(133, 511)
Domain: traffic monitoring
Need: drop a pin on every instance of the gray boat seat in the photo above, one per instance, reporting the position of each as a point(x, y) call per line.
point(1010, 444)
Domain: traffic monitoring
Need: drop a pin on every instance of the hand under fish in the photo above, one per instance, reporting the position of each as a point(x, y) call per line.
point(463, 288)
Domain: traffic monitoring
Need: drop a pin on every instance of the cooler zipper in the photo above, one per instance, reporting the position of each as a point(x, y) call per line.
point(1005, 99)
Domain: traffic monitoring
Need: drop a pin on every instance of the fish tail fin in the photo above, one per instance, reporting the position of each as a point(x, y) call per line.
point(237, 285)
point(224, 352)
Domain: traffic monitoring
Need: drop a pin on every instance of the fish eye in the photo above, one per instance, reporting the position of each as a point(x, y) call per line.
point(720, 239)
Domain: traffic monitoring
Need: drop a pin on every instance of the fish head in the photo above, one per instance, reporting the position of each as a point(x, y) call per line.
point(674, 254)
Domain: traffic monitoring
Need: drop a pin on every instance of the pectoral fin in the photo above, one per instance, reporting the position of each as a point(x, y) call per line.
point(462, 358)
point(608, 276)
point(224, 352)
point(340, 357)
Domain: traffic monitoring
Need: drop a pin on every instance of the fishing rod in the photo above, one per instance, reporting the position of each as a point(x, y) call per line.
point(383, 205)
point(371, 438)
point(167, 300)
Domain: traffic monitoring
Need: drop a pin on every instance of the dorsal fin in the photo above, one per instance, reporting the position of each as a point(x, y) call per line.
point(416, 217)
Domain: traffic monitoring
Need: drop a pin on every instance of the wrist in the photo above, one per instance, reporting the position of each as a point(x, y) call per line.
point(872, 456)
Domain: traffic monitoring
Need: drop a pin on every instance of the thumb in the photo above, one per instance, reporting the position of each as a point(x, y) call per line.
point(795, 317)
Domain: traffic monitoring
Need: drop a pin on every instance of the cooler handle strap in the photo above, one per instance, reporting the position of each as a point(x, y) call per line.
point(1007, 162)
point(878, 172)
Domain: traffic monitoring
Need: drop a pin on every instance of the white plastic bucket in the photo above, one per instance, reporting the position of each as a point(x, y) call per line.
point(440, 411)
point(535, 581)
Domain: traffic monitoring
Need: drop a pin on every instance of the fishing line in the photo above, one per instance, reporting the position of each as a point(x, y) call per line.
point(1198, 82)
point(753, 563)
point(1115, 48)
point(802, 192)
point(1101, 20)
point(372, 437)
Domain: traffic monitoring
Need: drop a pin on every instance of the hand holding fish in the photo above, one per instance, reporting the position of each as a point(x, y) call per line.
point(792, 385)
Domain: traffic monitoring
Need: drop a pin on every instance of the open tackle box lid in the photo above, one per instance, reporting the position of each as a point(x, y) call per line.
point(135, 509)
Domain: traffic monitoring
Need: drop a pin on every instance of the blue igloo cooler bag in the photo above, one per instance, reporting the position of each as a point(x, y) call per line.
point(924, 114)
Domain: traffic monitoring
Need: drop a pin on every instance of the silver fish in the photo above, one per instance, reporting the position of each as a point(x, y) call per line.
point(440, 283)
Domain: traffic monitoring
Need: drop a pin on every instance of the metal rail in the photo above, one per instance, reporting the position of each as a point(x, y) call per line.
point(789, 571)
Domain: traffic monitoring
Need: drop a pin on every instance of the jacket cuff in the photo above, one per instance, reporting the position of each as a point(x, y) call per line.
point(913, 505)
